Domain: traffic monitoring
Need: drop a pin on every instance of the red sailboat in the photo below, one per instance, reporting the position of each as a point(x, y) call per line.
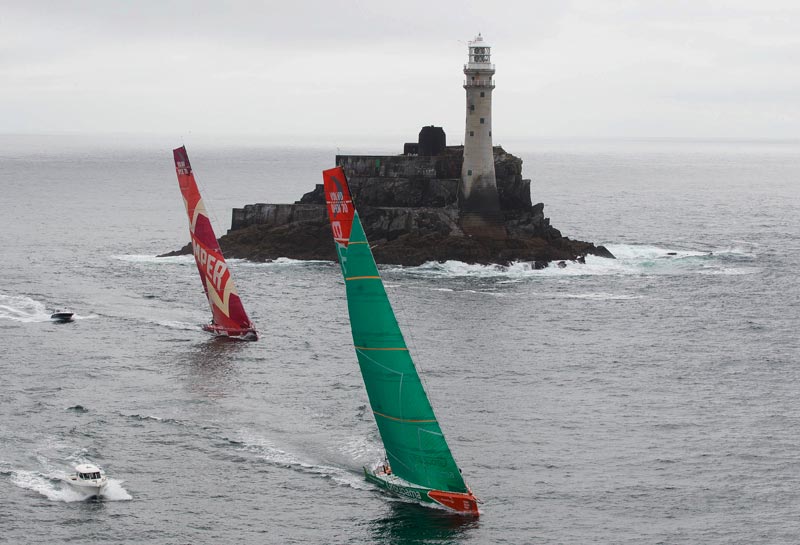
point(227, 313)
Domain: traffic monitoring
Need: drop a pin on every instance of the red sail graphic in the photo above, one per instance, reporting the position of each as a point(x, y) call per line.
point(340, 204)
point(229, 317)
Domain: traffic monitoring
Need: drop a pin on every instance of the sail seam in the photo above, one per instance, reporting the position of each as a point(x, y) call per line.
point(400, 419)
point(378, 348)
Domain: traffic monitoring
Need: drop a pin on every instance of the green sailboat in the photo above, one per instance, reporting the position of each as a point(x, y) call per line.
point(419, 464)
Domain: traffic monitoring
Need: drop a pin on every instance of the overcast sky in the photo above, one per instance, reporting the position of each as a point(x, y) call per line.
point(321, 71)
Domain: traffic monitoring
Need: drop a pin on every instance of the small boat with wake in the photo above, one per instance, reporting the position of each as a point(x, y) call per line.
point(62, 316)
point(88, 479)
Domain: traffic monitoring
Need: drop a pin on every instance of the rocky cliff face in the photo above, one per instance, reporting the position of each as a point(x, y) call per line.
point(407, 205)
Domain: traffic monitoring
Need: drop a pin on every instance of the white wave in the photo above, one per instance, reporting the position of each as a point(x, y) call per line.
point(631, 259)
point(730, 271)
point(146, 417)
point(274, 455)
point(31, 480)
point(362, 449)
point(739, 248)
point(519, 270)
point(115, 492)
point(174, 324)
point(281, 262)
point(642, 252)
point(151, 259)
point(54, 488)
point(601, 296)
point(22, 309)
point(87, 317)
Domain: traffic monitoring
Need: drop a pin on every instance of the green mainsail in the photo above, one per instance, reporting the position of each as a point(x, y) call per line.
point(415, 446)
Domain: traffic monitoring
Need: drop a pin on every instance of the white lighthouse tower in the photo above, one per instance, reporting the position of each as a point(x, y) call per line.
point(477, 196)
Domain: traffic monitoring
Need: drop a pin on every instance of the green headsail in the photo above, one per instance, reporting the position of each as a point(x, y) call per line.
point(414, 443)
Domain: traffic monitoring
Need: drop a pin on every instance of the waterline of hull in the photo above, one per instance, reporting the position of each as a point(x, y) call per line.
point(465, 504)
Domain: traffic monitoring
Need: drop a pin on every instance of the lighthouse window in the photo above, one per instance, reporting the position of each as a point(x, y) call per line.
point(469, 173)
point(472, 133)
point(471, 107)
point(490, 133)
point(482, 121)
point(483, 94)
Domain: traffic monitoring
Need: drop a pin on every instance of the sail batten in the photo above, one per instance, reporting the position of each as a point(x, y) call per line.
point(227, 311)
point(413, 441)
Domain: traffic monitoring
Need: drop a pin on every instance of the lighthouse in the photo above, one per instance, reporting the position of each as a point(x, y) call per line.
point(478, 200)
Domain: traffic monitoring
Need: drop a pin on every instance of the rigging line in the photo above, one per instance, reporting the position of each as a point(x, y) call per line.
point(382, 366)
point(413, 348)
point(212, 211)
point(208, 196)
point(397, 458)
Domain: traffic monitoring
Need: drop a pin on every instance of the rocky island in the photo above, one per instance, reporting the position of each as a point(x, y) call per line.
point(408, 205)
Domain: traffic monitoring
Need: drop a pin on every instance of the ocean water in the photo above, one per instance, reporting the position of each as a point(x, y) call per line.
point(647, 399)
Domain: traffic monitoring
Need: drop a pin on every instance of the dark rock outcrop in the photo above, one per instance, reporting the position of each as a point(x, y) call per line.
point(407, 205)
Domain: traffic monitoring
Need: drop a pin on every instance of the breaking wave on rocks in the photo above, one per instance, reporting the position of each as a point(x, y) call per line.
point(630, 260)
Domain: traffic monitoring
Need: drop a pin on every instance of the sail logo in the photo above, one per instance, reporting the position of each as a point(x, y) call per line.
point(183, 168)
point(336, 227)
point(338, 204)
point(213, 268)
point(403, 491)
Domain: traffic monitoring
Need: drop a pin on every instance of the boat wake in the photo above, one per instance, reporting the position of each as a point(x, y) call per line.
point(22, 309)
point(182, 326)
point(51, 486)
point(272, 455)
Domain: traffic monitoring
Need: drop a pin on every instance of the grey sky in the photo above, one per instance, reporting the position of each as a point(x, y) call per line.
point(352, 71)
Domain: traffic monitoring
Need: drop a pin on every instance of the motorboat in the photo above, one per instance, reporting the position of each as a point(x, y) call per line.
point(62, 316)
point(88, 479)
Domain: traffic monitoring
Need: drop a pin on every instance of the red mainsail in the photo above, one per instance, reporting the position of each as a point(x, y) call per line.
point(228, 315)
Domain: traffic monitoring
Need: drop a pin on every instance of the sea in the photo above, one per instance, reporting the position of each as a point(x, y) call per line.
point(652, 398)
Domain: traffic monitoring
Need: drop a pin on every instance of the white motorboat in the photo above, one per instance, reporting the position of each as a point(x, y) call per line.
point(88, 479)
point(62, 316)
